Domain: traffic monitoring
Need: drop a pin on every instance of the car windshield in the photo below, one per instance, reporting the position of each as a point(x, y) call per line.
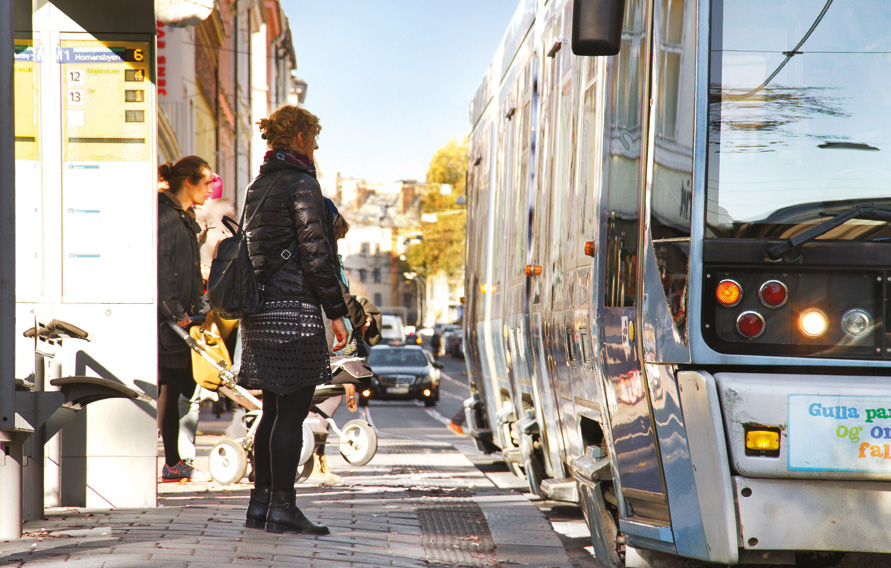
point(799, 116)
point(396, 358)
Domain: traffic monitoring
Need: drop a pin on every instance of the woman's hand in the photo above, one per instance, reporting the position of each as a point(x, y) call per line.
point(184, 323)
point(340, 332)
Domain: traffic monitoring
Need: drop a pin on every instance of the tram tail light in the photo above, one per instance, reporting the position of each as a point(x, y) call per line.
point(750, 324)
point(773, 294)
point(762, 442)
point(812, 322)
point(366, 393)
point(728, 293)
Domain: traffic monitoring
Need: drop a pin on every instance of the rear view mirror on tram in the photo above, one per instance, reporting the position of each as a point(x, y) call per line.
point(597, 26)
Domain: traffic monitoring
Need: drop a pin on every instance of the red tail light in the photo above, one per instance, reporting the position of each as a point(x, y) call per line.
point(773, 293)
point(750, 324)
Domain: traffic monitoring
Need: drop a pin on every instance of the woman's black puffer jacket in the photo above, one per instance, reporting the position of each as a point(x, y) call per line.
point(179, 278)
point(293, 210)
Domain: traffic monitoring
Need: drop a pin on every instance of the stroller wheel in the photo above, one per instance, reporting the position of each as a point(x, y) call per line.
point(228, 462)
point(358, 443)
point(304, 470)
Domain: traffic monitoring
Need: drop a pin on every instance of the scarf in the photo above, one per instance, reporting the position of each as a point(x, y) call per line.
point(293, 158)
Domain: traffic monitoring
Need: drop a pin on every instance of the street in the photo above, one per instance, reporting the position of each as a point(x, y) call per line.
point(409, 419)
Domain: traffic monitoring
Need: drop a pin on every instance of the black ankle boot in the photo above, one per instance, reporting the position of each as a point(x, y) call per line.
point(257, 508)
point(284, 516)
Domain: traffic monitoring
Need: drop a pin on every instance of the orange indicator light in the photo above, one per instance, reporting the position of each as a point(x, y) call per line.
point(763, 440)
point(728, 293)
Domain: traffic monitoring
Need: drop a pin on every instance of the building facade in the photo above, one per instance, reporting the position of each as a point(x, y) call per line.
point(217, 78)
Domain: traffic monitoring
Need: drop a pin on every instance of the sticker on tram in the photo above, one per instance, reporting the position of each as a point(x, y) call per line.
point(839, 433)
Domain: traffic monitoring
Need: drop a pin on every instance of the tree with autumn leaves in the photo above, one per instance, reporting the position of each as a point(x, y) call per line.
point(443, 219)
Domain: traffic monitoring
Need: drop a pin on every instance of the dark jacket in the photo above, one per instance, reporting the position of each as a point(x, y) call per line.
point(179, 277)
point(293, 212)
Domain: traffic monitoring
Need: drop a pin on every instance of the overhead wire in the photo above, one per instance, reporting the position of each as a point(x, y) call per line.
point(789, 55)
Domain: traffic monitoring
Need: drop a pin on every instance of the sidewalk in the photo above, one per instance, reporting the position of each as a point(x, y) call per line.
point(418, 503)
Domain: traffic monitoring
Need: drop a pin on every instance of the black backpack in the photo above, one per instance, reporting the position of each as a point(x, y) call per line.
point(232, 288)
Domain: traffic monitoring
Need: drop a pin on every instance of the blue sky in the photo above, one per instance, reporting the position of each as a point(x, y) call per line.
point(392, 80)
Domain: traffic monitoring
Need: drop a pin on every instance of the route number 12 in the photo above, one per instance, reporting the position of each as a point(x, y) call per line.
point(75, 77)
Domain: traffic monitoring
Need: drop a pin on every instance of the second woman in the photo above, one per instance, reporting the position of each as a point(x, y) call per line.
point(284, 348)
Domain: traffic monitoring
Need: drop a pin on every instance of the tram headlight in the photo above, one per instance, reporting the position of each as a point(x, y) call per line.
point(856, 323)
point(812, 322)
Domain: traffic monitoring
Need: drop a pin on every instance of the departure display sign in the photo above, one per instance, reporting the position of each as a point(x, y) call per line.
point(25, 93)
point(104, 107)
point(28, 200)
point(108, 163)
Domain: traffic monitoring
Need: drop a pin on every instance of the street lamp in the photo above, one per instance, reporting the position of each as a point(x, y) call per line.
point(422, 287)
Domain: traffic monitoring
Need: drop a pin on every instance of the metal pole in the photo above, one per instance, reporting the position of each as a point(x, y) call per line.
point(10, 447)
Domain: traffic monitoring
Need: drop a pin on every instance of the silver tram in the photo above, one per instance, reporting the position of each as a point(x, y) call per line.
point(678, 270)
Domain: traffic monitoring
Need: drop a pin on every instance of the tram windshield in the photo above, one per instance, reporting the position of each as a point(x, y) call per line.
point(799, 116)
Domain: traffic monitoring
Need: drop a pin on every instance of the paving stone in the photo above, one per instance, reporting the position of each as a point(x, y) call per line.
point(411, 508)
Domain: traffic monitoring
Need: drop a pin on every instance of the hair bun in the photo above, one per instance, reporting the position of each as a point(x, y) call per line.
point(165, 170)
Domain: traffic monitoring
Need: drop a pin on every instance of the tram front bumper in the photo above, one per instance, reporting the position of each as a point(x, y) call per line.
point(822, 491)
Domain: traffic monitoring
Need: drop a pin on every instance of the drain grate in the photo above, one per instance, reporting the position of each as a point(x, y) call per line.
point(455, 533)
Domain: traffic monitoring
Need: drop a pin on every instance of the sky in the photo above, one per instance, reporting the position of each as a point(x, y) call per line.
point(391, 80)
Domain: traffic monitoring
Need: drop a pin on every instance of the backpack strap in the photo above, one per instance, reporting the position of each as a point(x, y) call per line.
point(287, 253)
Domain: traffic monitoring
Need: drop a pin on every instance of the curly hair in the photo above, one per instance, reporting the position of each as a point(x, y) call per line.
point(189, 168)
point(283, 125)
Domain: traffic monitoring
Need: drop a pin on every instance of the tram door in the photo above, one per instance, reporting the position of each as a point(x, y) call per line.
point(630, 415)
point(539, 292)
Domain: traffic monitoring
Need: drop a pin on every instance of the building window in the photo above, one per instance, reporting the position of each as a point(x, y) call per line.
point(378, 300)
point(364, 248)
point(363, 275)
point(376, 275)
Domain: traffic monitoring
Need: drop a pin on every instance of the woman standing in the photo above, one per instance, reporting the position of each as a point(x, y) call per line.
point(284, 348)
point(179, 294)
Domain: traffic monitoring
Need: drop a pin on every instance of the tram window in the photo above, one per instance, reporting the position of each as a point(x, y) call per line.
point(591, 159)
point(623, 191)
point(673, 154)
point(774, 173)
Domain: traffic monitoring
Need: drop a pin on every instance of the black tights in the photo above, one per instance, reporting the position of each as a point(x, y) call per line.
point(279, 438)
point(175, 382)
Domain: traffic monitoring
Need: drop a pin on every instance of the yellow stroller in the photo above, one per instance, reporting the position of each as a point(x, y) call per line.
point(211, 364)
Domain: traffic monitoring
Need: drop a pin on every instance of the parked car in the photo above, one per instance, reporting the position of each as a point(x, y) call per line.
point(454, 343)
point(392, 330)
point(402, 372)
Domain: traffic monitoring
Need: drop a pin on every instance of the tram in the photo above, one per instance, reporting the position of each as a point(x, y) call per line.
point(678, 270)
